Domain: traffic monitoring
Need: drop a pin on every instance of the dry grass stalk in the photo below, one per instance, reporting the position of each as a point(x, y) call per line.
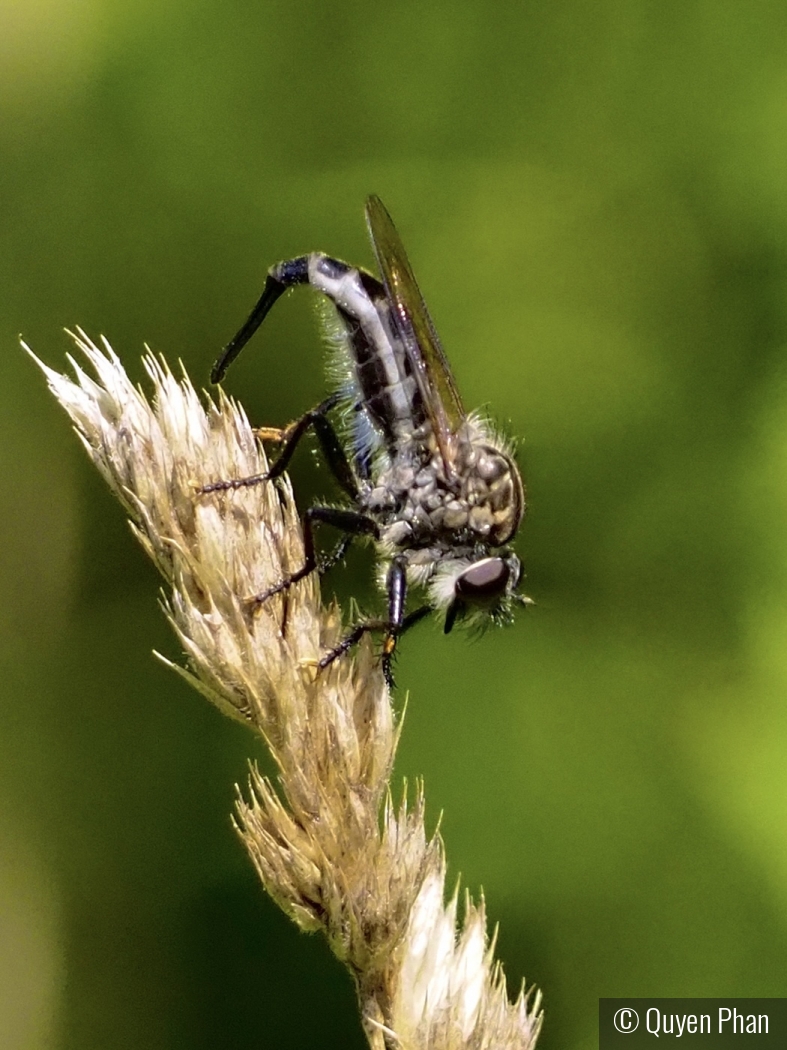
point(327, 840)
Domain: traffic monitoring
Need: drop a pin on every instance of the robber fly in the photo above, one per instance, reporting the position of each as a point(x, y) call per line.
point(436, 488)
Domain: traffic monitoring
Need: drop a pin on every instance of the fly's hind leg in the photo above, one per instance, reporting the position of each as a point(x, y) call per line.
point(289, 438)
point(331, 447)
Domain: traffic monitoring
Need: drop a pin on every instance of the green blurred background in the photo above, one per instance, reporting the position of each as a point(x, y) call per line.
point(594, 198)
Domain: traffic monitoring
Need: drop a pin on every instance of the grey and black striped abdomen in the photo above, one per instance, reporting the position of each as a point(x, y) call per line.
point(382, 370)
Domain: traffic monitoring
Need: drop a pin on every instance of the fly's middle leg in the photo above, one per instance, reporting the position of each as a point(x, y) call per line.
point(351, 522)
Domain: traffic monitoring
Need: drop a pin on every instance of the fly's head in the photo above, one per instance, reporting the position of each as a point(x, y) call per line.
point(475, 575)
point(478, 590)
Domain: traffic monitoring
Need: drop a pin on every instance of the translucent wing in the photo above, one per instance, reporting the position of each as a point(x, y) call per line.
point(414, 325)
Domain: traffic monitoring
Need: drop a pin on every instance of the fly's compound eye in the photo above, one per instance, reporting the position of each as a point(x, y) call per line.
point(483, 582)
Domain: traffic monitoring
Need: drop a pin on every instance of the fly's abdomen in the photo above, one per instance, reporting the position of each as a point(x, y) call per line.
point(386, 387)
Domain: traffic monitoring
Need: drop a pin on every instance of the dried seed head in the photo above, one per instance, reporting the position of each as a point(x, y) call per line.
point(327, 841)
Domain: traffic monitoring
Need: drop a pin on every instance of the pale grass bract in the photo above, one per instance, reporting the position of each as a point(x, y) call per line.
point(327, 840)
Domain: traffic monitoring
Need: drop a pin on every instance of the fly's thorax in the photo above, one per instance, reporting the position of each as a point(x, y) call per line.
point(419, 503)
point(490, 484)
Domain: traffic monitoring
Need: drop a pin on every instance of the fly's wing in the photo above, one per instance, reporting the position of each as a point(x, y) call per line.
point(414, 325)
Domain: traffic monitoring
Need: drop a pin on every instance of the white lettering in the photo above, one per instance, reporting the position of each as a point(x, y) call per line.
point(657, 1023)
point(752, 1024)
point(653, 1031)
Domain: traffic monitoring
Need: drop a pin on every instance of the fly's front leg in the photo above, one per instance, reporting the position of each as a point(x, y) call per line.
point(396, 585)
point(347, 521)
point(396, 624)
point(361, 629)
point(271, 435)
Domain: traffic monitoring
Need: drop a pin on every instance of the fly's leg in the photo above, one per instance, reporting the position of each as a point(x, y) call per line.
point(361, 629)
point(336, 555)
point(289, 438)
point(396, 624)
point(350, 522)
point(329, 443)
point(396, 585)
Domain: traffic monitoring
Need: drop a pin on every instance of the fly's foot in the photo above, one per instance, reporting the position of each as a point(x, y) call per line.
point(283, 585)
point(355, 635)
point(232, 484)
point(389, 648)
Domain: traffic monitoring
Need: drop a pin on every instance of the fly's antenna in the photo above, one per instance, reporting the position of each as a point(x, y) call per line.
point(522, 599)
